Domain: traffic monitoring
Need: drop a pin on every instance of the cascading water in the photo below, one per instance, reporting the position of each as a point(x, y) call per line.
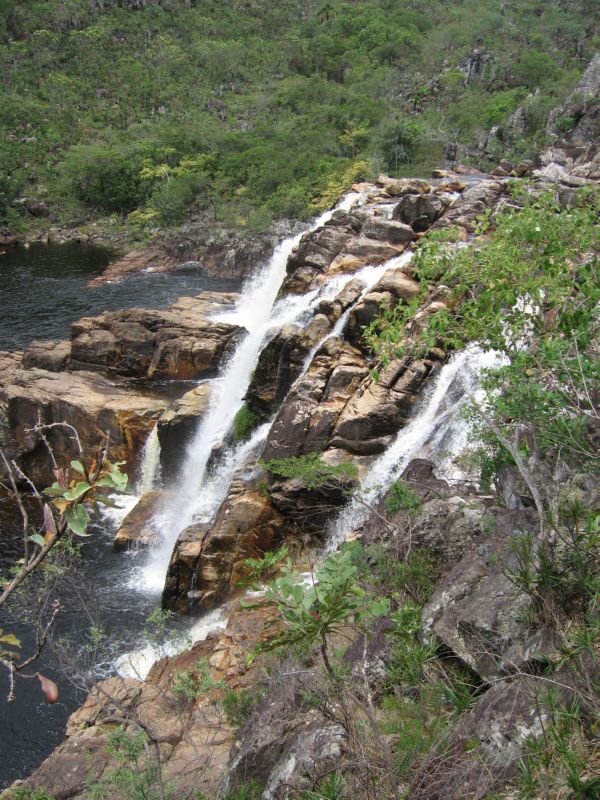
point(437, 430)
point(257, 312)
point(150, 464)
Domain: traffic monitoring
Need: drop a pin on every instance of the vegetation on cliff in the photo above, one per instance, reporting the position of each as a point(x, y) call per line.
point(252, 111)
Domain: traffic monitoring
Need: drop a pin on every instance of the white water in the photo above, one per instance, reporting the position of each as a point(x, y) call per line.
point(150, 464)
point(436, 422)
point(137, 663)
point(195, 492)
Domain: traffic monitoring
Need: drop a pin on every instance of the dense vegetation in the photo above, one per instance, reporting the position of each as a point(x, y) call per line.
point(253, 110)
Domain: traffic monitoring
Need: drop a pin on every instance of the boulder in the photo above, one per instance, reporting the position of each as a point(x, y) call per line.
point(137, 529)
point(484, 750)
point(396, 187)
point(419, 211)
point(379, 408)
point(179, 343)
point(47, 354)
point(389, 230)
point(475, 200)
point(284, 747)
point(395, 286)
point(478, 612)
point(206, 561)
point(96, 407)
point(283, 358)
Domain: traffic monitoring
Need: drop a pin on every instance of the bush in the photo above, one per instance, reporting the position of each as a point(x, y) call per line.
point(244, 423)
point(104, 179)
point(173, 199)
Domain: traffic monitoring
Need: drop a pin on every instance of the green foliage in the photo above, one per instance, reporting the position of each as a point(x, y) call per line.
point(263, 568)
point(103, 179)
point(238, 705)
point(135, 776)
point(311, 472)
point(313, 611)
point(266, 103)
point(71, 497)
point(197, 682)
point(25, 793)
point(251, 790)
point(400, 497)
point(245, 421)
point(561, 760)
point(414, 576)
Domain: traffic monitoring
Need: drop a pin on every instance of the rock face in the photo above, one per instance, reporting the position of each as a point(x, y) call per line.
point(206, 561)
point(479, 613)
point(67, 381)
point(419, 211)
point(94, 406)
point(472, 202)
point(177, 426)
point(180, 343)
point(137, 528)
point(349, 240)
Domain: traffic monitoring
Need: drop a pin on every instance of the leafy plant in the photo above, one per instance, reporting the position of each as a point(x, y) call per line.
point(311, 611)
point(245, 421)
point(311, 471)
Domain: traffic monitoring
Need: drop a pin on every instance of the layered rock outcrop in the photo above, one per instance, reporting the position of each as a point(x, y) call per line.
point(91, 382)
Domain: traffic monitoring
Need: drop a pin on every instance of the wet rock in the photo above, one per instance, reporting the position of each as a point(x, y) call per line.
point(279, 364)
point(310, 410)
point(152, 259)
point(49, 355)
point(206, 561)
point(419, 211)
point(94, 406)
point(396, 187)
point(475, 200)
point(388, 230)
point(180, 342)
point(177, 427)
point(380, 408)
point(138, 529)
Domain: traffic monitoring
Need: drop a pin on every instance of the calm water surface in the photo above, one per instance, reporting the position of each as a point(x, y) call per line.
point(43, 290)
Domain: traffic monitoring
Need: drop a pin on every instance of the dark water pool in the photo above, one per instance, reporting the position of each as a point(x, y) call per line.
point(95, 593)
point(43, 290)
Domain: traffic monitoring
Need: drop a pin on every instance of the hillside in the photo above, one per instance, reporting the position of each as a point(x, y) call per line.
point(148, 113)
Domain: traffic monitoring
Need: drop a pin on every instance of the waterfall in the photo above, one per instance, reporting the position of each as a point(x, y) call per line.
point(193, 491)
point(437, 422)
point(150, 464)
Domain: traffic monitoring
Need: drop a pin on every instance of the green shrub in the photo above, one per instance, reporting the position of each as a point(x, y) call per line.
point(400, 497)
point(245, 421)
point(104, 179)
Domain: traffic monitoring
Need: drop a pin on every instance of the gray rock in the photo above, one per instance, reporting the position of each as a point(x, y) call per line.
point(419, 211)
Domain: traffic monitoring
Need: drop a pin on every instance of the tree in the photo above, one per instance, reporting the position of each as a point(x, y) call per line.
point(63, 511)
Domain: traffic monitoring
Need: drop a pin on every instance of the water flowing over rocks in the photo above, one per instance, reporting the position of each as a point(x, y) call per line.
point(314, 377)
point(206, 562)
point(87, 381)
